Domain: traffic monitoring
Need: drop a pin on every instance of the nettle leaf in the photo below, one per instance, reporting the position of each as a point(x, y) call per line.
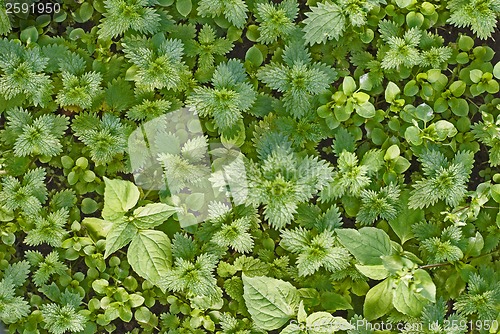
point(367, 244)
point(150, 255)
point(325, 22)
point(270, 302)
point(152, 215)
point(119, 197)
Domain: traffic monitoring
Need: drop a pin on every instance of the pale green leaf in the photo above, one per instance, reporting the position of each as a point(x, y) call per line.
point(325, 323)
point(402, 224)
point(367, 245)
point(325, 22)
point(119, 197)
point(152, 215)
point(97, 228)
point(424, 284)
point(406, 300)
point(150, 255)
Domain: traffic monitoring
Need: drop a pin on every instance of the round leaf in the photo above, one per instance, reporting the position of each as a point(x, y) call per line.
point(392, 152)
point(29, 35)
point(271, 302)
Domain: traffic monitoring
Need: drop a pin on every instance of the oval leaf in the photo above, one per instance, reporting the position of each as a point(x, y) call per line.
point(367, 245)
point(184, 7)
point(119, 197)
point(378, 300)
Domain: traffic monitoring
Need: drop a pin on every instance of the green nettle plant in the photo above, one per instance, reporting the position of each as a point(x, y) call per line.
point(250, 166)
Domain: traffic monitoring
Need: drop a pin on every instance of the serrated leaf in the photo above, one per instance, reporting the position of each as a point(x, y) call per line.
point(184, 7)
point(118, 236)
point(271, 302)
point(377, 272)
point(406, 300)
point(150, 254)
point(325, 22)
point(119, 197)
point(367, 244)
point(406, 218)
point(152, 215)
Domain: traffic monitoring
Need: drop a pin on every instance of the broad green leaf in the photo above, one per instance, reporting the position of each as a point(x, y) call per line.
point(254, 55)
point(424, 112)
point(459, 107)
point(476, 75)
point(411, 88)
point(152, 215)
point(292, 329)
point(406, 300)
point(150, 254)
point(402, 224)
point(403, 3)
point(119, 197)
point(325, 323)
point(377, 272)
point(412, 134)
point(392, 152)
point(457, 88)
point(332, 302)
point(445, 129)
point(118, 236)
point(184, 7)
point(97, 228)
point(84, 13)
point(401, 165)
point(367, 245)
point(301, 314)
point(195, 201)
point(271, 302)
point(424, 284)
point(366, 110)
point(325, 22)
point(378, 300)
point(391, 91)
point(29, 35)
point(496, 70)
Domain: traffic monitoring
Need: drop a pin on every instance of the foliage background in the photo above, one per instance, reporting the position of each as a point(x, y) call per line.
point(371, 136)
